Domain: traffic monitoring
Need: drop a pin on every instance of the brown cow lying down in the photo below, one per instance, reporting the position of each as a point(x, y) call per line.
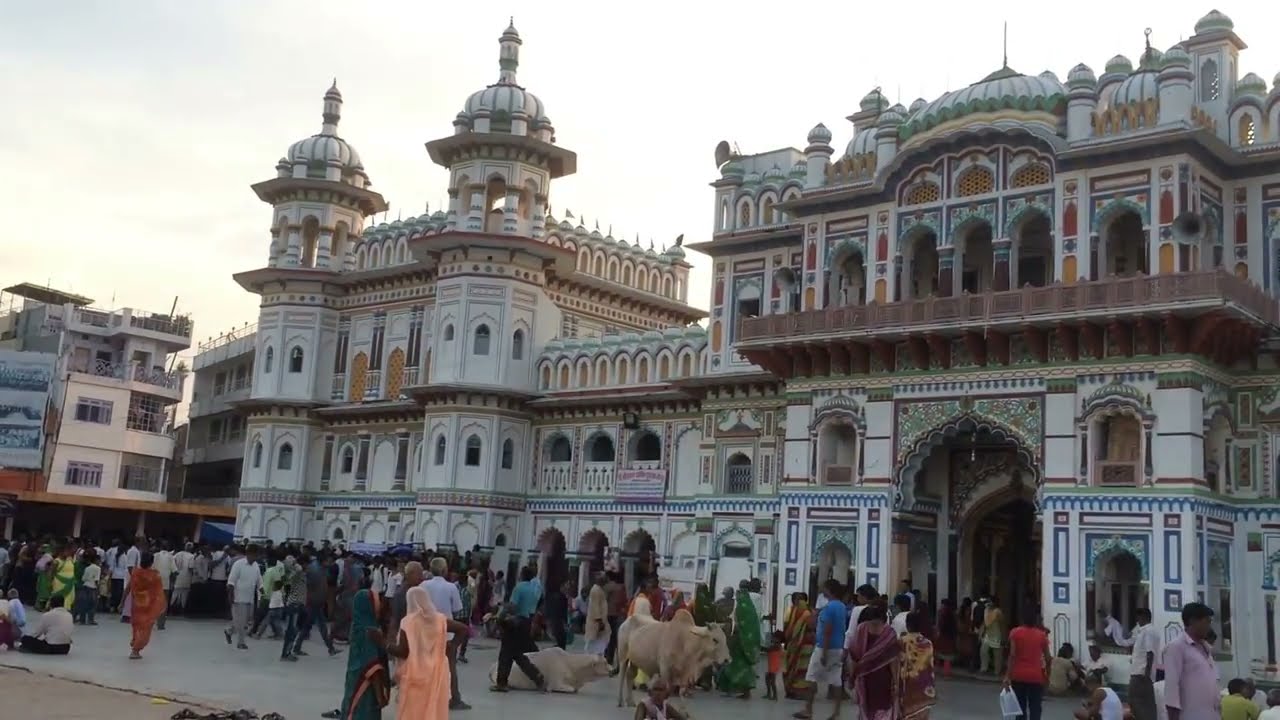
point(677, 651)
point(565, 672)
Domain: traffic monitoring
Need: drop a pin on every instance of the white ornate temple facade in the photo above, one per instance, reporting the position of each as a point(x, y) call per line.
point(1015, 340)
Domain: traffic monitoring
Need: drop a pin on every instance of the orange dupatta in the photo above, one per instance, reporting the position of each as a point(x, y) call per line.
point(148, 595)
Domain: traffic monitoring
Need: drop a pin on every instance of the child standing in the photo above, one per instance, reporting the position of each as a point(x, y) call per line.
point(773, 666)
point(275, 608)
point(87, 590)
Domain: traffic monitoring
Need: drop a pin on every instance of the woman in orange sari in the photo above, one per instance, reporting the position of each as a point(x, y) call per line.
point(424, 670)
point(146, 592)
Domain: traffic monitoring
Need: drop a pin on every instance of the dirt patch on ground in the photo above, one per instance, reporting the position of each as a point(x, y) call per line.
point(51, 698)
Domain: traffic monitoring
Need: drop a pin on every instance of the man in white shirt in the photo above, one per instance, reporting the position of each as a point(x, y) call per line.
point(243, 583)
point(219, 565)
point(115, 566)
point(378, 578)
point(1142, 666)
point(51, 634)
point(862, 597)
point(182, 561)
point(163, 563)
point(1273, 707)
point(447, 599)
point(129, 559)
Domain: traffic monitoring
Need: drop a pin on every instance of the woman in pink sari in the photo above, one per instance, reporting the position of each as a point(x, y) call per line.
point(874, 660)
point(424, 667)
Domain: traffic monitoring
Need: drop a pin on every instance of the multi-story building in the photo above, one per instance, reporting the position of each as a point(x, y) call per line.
point(110, 444)
point(1013, 340)
point(213, 455)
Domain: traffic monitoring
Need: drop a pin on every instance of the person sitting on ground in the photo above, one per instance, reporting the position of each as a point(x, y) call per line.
point(1102, 703)
point(1273, 706)
point(655, 706)
point(1237, 705)
point(1065, 674)
point(17, 611)
point(1096, 666)
point(51, 634)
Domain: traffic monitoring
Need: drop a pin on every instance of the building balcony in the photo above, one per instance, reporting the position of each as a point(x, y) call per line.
point(1183, 293)
point(225, 347)
point(134, 377)
point(173, 330)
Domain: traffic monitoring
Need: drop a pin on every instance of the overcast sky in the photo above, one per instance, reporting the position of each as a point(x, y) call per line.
point(131, 131)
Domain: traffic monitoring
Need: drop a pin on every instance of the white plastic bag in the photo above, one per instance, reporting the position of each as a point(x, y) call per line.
point(1009, 706)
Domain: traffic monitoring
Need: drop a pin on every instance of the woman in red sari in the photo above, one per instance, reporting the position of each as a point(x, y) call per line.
point(800, 638)
point(874, 659)
point(146, 592)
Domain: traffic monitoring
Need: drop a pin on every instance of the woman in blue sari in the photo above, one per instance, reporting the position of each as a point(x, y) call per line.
point(368, 685)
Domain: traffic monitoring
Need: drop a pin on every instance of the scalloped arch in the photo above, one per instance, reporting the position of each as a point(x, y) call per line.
point(1114, 208)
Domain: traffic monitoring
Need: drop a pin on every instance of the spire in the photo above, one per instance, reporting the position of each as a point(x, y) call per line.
point(508, 54)
point(1005, 62)
point(332, 110)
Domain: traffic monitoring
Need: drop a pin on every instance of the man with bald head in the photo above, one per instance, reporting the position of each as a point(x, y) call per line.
point(447, 599)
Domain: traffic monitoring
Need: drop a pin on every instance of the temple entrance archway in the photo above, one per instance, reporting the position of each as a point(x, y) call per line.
point(999, 556)
point(592, 549)
point(553, 564)
point(639, 558)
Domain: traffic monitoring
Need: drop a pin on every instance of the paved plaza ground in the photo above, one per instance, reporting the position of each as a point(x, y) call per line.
point(190, 661)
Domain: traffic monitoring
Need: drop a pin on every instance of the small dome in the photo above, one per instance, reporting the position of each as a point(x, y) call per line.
point(566, 225)
point(862, 143)
point(874, 101)
point(630, 337)
point(554, 345)
point(672, 332)
point(819, 135)
point(1176, 56)
point(774, 174)
point(1118, 64)
point(1212, 22)
point(753, 177)
point(1150, 60)
point(695, 331)
point(1138, 87)
point(326, 149)
point(590, 341)
point(675, 252)
point(732, 169)
point(595, 234)
point(1049, 75)
point(1251, 84)
point(652, 335)
point(505, 102)
point(891, 117)
point(917, 104)
point(799, 170)
point(611, 339)
point(439, 215)
point(1004, 89)
point(1081, 76)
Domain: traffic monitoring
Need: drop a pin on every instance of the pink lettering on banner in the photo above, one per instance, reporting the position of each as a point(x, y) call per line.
point(640, 486)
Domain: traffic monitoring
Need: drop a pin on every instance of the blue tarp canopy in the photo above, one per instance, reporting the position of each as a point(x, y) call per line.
point(216, 533)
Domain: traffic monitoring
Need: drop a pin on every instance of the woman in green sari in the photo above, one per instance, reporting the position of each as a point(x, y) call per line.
point(368, 686)
point(739, 676)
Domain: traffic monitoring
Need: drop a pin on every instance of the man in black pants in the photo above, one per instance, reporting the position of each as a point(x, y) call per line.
point(516, 637)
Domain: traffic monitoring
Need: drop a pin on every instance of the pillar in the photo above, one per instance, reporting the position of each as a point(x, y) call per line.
point(475, 211)
point(142, 524)
point(324, 249)
point(77, 522)
point(946, 271)
point(1000, 280)
point(899, 557)
point(509, 209)
point(199, 526)
point(451, 218)
point(293, 251)
point(1083, 429)
point(8, 528)
point(539, 216)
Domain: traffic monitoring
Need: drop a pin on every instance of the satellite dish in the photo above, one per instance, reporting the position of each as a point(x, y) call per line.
point(723, 153)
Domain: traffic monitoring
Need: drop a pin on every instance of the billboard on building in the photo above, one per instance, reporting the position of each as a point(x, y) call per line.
point(641, 486)
point(26, 379)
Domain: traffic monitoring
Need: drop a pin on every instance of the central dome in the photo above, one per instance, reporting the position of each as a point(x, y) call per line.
point(1004, 89)
point(505, 107)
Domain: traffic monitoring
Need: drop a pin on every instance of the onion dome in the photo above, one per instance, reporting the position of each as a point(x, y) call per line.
point(1004, 89)
point(1150, 60)
point(695, 331)
point(1176, 56)
point(1212, 22)
point(774, 175)
point(862, 143)
point(1081, 76)
point(326, 149)
point(753, 178)
point(732, 170)
point(1049, 75)
point(1118, 64)
point(609, 239)
point(652, 336)
point(1251, 84)
point(892, 117)
point(819, 135)
point(799, 170)
point(1138, 87)
point(566, 225)
point(917, 104)
point(595, 234)
point(674, 253)
point(874, 101)
point(507, 106)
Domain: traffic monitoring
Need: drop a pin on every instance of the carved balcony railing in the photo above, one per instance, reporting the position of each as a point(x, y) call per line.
point(838, 475)
point(338, 391)
point(373, 385)
point(738, 480)
point(1117, 473)
point(557, 478)
point(1112, 295)
point(597, 478)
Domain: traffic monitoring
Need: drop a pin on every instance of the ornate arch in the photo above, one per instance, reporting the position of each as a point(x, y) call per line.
point(1023, 212)
point(845, 537)
point(839, 409)
point(734, 529)
point(548, 538)
point(1219, 408)
point(965, 219)
point(636, 539)
point(847, 245)
point(1116, 397)
point(917, 441)
point(912, 227)
point(1106, 548)
point(1114, 208)
point(592, 541)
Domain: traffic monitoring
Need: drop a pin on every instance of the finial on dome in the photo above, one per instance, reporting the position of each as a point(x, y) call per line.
point(508, 54)
point(332, 110)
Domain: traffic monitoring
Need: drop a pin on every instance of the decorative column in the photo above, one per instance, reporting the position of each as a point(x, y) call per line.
point(509, 217)
point(293, 250)
point(901, 280)
point(475, 211)
point(1227, 485)
point(946, 271)
point(349, 254)
point(539, 217)
point(1083, 429)
point(1001, 248)
point(324, 249)
point(451, 218)
point(1147, 469)
point(1271, 633)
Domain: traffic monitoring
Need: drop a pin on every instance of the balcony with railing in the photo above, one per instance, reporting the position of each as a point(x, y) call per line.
point(338, 389)
point(229, 345)
point(597, 478)
point(150, 380)
point(172, 329)
point(373, 385)
point(557, 479)
point(1186, 293)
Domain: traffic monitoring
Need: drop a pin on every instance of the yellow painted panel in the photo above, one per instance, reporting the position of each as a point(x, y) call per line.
point(1069, 270)
point(716, 335)
point(882, 290)
point(1166, 258)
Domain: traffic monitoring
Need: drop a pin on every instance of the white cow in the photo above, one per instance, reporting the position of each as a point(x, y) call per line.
point(677, 651)
point(565, 672)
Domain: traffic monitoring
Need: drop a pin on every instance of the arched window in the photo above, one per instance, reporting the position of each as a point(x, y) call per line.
point(348, 460)
point(472, 458)
point(1247, 132)
point(600, 449)
point(744, 214)
point(766, 211)
point(647, 447)
point(508, 454)
point(1209, 84)
point(284, 461)
point(441, 446)
point(546, 377)
point(266, 360)
point(724, 215)
point(257, 454)
point(481, 344)
point(517, 345)
point(977, 180)
point(560, 450)
point(738, 475)
point(921, 193)
point(448, 333)
point(295, 360)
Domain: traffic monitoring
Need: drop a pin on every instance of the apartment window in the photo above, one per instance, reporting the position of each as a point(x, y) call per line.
point(242, 379)
point(83, 474)
point(142, 473)
point(235, 429)
point(473, 451)
point(295, 360)
point(146, 413)
point(215, 431)
point(94, 410)
point(219, 384)
point(379, 331)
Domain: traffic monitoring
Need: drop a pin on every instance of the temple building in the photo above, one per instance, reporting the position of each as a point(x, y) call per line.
point(1016, 340)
